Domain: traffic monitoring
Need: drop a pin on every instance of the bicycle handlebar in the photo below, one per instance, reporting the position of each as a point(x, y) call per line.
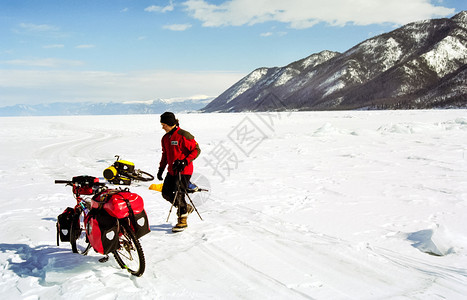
point(82, 180)
point(63, 182)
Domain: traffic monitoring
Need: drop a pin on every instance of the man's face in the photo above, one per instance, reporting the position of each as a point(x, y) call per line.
point(166, 127)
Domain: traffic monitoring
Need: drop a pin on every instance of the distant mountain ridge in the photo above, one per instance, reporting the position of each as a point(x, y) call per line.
point(110, 108)
point(419, 65)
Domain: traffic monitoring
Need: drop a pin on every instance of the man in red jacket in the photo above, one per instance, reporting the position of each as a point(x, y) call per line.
point(179, 149)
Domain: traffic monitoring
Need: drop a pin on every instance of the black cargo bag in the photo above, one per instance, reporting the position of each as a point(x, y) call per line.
point(102, 231)
point(64, 223)
point(141, 224)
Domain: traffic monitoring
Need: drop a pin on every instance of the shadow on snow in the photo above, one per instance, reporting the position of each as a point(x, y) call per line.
point(27, 261)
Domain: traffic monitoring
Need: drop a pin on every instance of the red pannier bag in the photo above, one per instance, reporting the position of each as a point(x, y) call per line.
point(122, 204)
point(102, 231)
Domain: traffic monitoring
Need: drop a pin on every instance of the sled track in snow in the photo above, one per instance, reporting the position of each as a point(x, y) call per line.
point(303, 274)
point(55, 158)
point(232, 264)
point(454, 274)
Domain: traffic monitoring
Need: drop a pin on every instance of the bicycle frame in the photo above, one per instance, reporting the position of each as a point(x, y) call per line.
point(79, 240)
point(129, 254)
point(122, 172)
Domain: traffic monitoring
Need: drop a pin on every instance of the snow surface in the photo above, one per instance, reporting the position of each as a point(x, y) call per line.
point(303, 205)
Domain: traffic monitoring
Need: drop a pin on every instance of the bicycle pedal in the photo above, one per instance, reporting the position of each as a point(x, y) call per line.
point(104, 259)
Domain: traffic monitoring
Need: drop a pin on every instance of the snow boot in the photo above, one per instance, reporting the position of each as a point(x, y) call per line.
point(181, 224)
point(182, 220)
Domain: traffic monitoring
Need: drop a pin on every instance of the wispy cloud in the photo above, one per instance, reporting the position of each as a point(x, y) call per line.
point(65, 85)
point(162, 9)
point(42, 30)
point(38, 27)
point(43, 62)
point(307, 13)
point(85, 46)
point(53, 46)
point(273, 33)
point(177, 27)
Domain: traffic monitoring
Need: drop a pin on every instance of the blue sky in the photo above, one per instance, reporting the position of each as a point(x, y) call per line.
point(138, 50)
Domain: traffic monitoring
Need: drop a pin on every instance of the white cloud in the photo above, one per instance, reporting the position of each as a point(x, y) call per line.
point(162, 9)
point(28, 86)
point(38, 27)
point(41, 30)
point(278, 33)
point(86, 46)
point(43, 62)
point(307, 13)
point(177, 27)
point(153, 8)
point(53, 46)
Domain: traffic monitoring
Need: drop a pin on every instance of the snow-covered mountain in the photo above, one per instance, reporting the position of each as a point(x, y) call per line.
point(110, 108)
point(420, 65)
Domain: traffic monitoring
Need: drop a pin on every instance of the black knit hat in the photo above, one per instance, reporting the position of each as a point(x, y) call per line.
point(169, 119)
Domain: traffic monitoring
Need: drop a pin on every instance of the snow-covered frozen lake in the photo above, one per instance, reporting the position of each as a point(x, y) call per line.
point(303, 205)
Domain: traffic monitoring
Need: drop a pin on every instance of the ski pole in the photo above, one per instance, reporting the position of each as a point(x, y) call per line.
point(175, 198)
point(173, 202)
point(194, 207)
point(186, 193)
point(170, 211)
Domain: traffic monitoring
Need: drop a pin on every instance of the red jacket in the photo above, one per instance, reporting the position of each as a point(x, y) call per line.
point(179, 144)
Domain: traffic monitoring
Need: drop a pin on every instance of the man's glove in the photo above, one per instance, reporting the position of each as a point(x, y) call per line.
point(179, 165)
point(159, 174)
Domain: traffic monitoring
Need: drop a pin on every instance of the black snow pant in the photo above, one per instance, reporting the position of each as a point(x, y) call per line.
point(169, 189)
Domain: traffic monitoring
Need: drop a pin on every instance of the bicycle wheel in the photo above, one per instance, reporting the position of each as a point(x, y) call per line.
point(78, 239)
point(130, 254)
point(140, 175)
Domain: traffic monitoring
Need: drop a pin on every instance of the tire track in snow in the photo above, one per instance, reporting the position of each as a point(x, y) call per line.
point(294, 275)
point(235, 265)
point(234, 275)
point(205, 244)
point(455, 274)
point(428, 271)
point(348, 264)
point(76, 154)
